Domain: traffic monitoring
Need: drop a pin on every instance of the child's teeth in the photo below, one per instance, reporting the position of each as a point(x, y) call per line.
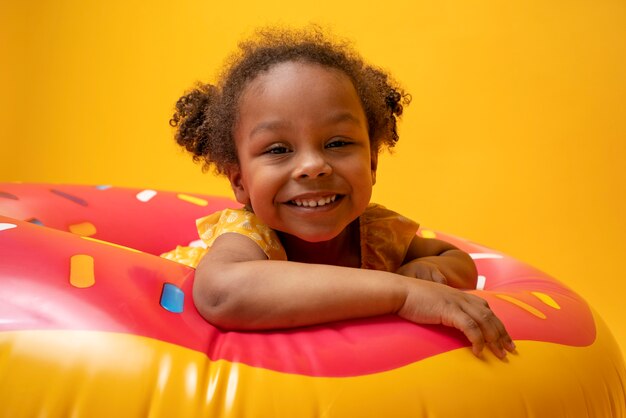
point(314, 203)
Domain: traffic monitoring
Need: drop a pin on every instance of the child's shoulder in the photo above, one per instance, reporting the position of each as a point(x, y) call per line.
point(385, 238)
point(379, 214)
point(243, 222)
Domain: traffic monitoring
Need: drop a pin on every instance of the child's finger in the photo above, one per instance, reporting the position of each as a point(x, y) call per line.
point(438, 277)
point(468, 326)
point(509, 344)
point(494, 333)
point(497, 349)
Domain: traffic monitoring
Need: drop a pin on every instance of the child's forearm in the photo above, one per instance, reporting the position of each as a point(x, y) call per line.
point(263, 294)
point(457, 267)
point(276, 294)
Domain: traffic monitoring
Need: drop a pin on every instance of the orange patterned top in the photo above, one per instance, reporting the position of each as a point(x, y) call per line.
point(385, 237)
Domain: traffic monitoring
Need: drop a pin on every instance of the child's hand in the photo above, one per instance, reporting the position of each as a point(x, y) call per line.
point(432, 303)
point(424, 270)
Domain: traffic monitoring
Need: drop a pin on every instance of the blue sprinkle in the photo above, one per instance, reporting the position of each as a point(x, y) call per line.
point(8, 196)
point(68, 196)
point(103, 187)
point(172, 298)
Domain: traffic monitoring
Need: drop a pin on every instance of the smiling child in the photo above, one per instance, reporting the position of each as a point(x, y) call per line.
point(296, 123)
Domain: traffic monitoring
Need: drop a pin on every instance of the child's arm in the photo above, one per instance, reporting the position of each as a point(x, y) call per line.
point(236, 287)
point(440, 262)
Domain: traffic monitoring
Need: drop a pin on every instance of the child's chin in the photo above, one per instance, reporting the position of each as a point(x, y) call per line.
point(314, 236)
point(315, 239)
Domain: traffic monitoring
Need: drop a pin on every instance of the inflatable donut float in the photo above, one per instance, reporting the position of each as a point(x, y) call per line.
point(94, 324)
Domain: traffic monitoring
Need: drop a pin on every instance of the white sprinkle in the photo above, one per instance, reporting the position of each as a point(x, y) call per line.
point(480, 283)
point(483, 256)
point(5, 226)
point(146, 195)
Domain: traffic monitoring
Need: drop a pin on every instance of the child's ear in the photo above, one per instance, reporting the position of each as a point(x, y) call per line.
point(236, 182)
point(374, 163)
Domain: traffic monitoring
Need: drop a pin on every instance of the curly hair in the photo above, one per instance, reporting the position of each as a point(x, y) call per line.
point(205, 117)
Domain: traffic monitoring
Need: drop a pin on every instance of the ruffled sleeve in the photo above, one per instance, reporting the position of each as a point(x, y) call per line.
point(385, 238)
point(189, 256)
point(242, 222)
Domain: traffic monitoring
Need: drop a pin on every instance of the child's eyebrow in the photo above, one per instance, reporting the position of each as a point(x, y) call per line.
point(272, 125)
point(344, 117)
point(335, 118)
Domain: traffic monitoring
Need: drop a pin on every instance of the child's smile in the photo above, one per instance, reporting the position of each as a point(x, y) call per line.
point(305, 163)
point(315, 202)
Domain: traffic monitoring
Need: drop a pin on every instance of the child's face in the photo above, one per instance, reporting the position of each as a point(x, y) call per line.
point(305, 163)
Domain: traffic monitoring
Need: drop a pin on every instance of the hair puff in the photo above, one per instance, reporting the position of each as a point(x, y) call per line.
point(206, 116)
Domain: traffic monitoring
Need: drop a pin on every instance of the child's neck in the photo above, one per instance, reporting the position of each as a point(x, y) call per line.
point(343, 250)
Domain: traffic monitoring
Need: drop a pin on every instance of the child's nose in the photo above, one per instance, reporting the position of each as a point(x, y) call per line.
point(311, 165)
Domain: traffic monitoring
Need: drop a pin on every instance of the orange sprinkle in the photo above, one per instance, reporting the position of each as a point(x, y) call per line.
point(85, 229)
point(547, 299)
point(81, 271)
point(523, 305)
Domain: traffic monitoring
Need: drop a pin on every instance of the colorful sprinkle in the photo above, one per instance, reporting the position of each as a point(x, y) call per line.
point(5, 226)
point(85, 229)
point(547, 299)
point(192, 199)
point(111, 244)
point(8, 196)
point(146, 195)
point(69, 197)
point(523, 305)
point(172, 298)
point(480, 283)
point(81, 271)
point(427, 233)
point(103, 187)
point(485, 256)
point(34, 221)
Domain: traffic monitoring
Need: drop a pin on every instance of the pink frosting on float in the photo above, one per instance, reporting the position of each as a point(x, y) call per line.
point(125, 298)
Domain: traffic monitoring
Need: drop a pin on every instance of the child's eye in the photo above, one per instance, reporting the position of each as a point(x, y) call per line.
point(277, 149)
point(337, 143)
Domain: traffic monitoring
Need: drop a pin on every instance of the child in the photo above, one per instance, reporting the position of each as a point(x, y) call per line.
point(296, 124)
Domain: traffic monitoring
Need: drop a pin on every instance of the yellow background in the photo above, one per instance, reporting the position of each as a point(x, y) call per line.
point(516, 137)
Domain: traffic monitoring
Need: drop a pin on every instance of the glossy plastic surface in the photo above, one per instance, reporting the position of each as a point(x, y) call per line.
point(90, 327)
